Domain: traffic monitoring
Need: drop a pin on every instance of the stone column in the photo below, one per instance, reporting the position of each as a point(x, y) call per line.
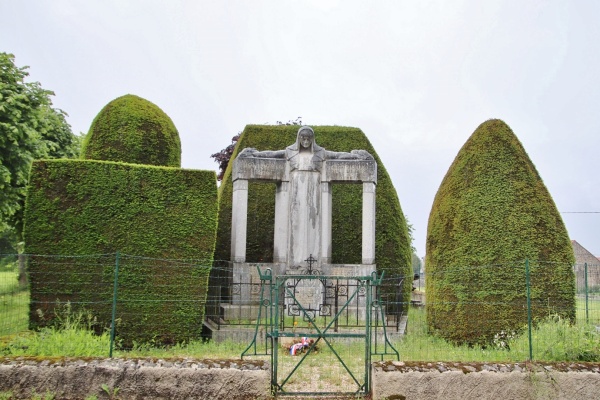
point(282, 216)
point(239, 220)
point(326, 223)
point(368, 223)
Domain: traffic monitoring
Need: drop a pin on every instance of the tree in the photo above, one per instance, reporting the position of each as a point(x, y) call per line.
point(416, 265)
point(223, 156)
point(492, 212)
point(133, 130)
point(30, 128)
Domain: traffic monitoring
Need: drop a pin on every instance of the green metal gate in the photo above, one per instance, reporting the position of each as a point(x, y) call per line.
point(286, 316)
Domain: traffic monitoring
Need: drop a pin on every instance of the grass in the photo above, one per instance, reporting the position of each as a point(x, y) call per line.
point(14, 304)
point(9, 281)
point(195, 349)
point(593, 309)
point(553, 340)
point(73, 337)
point(322, 369)
point(417, 345)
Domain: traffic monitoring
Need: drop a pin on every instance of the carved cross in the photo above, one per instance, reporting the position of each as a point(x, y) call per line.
point(310, 260)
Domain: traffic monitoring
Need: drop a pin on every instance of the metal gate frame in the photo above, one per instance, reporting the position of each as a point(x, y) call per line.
point(274, 289)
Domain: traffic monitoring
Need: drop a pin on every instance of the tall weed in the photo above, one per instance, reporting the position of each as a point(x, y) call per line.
point(72, 336)
point(557, 339)
point(554, 339)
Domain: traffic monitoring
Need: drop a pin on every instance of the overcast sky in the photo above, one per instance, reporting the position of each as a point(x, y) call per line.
point(417, 77)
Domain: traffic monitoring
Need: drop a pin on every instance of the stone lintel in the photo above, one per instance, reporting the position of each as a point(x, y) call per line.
point(350, 171)
point(260, 169)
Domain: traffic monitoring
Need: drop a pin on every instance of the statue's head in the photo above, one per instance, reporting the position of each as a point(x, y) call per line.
point(306, 137)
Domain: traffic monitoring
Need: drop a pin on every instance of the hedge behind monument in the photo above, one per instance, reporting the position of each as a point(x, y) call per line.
point(492, 211)
point(393, 251)
point(78, 208)
point(133, 130)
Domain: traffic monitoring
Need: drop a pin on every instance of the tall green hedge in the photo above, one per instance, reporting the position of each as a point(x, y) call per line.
point(80, 208)
point(492, 212)
point(393, 250)
point(133, 130)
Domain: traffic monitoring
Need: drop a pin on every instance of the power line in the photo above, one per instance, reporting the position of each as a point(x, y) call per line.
point(580, 212)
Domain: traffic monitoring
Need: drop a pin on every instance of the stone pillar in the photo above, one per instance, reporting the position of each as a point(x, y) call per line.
point(326, 223)
point(282, 216)
point(368, 223)
point(239, 220)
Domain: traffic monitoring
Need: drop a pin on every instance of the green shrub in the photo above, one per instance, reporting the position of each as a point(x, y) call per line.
point(165, 215)
point(492, 212)
point(393, 250)
point(133, 130)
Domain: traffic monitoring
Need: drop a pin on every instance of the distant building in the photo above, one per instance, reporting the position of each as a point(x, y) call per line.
point(583, 257)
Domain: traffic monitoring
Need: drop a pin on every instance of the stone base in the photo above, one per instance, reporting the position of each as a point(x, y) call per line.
point(238, 313)
point(235, 333)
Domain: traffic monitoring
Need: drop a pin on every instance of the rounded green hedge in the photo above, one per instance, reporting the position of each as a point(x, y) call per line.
point(393, 247)
point(492, 212)
point(133, 130)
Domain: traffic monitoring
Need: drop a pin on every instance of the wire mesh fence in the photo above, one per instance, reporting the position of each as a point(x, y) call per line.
point(164, 302)
point(527, 310)
point(138, 299)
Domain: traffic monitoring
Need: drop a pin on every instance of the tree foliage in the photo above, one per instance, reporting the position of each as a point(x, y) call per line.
point(416, 264)
point(223, 156)
point(492, 211)
point(30, 128)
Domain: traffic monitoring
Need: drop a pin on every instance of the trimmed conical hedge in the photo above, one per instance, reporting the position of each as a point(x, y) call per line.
point(393, 250)
point(492, 212)
point(133, 130)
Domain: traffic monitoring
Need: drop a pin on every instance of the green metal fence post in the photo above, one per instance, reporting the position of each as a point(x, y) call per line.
point(114, 306)
point(587, 310)
point(369, 305)
point(528, 280)
point(275, 333)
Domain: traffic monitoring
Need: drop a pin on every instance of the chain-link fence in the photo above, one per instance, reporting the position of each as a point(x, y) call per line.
point(175, 301)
